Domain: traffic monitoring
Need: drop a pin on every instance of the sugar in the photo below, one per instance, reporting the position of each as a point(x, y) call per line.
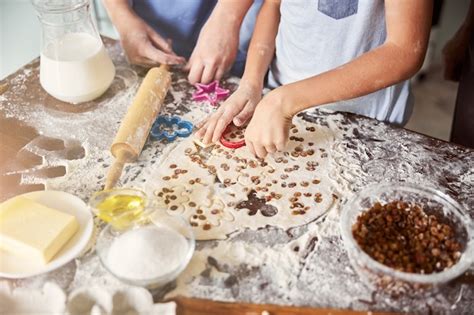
point(147, 253)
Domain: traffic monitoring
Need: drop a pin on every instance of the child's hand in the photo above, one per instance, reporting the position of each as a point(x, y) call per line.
point(238, 108)
point(268, 130)
point(143, 46)
point(215, 50)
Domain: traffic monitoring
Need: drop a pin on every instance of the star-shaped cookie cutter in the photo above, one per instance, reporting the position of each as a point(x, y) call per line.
point(211, 92)
point(158, 131)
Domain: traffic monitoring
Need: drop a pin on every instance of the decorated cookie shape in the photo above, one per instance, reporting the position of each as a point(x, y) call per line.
point(170, 127)
point(255, 204)
point(211, 93)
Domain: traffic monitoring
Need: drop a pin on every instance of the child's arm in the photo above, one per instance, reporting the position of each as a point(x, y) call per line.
point(240, 106)
point(398, 59)
point(218, 42)
point(262, 45)
point(141, 43)
point(401, 56)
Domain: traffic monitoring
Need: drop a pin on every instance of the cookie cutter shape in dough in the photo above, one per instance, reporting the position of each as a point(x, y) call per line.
point(170, 127)
point(229, 143)
point(211, 92)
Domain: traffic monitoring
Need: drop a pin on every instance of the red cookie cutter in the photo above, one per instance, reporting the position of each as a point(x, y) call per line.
point(231, 144)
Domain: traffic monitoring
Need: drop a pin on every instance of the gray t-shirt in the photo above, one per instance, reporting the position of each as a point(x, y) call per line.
point(315, 36)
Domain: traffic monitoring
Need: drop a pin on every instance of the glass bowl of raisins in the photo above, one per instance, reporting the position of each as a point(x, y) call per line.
point(404, 238)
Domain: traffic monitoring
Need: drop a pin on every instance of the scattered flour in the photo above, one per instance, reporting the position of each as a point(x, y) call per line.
point(52, 300)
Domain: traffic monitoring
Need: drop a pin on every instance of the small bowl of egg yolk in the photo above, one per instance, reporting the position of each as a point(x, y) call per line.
point(121, 208)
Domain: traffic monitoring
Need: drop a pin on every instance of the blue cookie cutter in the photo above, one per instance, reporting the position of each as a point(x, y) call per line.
point(184, 128)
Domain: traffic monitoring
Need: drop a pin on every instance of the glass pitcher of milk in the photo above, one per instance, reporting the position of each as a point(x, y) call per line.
point(74, 65)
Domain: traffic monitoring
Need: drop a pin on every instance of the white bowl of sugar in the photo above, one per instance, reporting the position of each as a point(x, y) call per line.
point(149, 255)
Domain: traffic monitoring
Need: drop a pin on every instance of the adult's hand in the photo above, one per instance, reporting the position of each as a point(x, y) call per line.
point(144, 46)
point(218, 42)
point(141, 43)
point(215, 50)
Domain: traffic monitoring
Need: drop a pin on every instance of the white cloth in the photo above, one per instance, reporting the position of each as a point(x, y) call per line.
point(315, 36)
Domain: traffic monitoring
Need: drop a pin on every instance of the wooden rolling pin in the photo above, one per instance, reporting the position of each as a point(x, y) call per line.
point(136, 125)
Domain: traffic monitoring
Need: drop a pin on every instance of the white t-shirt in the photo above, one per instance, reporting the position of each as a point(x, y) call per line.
point(315, 36)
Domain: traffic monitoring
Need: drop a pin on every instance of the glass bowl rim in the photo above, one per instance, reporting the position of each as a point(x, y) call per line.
point(467, 256)
point(163, 279)
point(131, 191)
point(45, 7)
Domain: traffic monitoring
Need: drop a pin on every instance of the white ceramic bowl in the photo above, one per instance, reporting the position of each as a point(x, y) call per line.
point(14, 267)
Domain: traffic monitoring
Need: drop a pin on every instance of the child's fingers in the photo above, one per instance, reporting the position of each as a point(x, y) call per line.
point(220, 72)
point(250, 147)
point(188, 65)
point(280, 141)
point(210, 130)
point(195, 72)
point(255, 146)
point(280, 145)
point(202, 128)
point(244, 115)
point(270, 148)
point(201, 132)
point(260, 150)
point(202, 123)
point(208, 73)
point(222, 123)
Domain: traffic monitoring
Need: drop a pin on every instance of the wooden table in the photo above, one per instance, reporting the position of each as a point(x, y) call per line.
point(370, 152)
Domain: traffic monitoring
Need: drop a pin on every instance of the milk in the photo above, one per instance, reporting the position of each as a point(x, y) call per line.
point(76, 68)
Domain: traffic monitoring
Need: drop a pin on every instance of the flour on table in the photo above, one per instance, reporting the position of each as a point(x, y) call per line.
point(130, 300)
point(51, 299)
point(229, 190)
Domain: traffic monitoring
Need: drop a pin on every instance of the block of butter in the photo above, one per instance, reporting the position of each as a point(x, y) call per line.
point(34, 231)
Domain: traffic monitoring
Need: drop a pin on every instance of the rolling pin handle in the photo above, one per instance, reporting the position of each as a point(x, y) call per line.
point(115, 171)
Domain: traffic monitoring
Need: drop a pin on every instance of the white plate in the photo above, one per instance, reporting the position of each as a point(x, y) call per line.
point(15, 267)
